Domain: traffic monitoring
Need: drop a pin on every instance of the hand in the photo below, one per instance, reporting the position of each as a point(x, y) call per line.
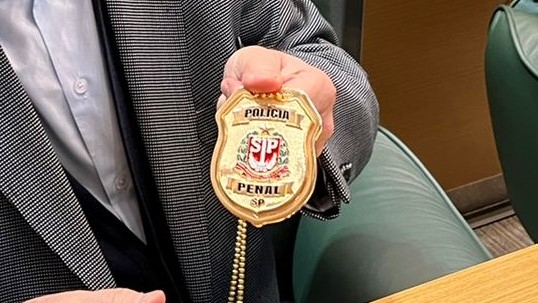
point(118, 295)
point(262, 70)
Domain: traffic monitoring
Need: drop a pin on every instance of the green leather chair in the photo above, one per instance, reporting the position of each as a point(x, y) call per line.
point(399, 231)
point(512, 87)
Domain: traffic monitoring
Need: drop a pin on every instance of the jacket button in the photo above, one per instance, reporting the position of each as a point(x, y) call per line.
point(345, 170)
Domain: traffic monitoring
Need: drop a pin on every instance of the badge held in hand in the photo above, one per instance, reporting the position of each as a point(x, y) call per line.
point(264, 163)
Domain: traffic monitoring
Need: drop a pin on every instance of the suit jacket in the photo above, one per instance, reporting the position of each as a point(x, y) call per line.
point(166, 60)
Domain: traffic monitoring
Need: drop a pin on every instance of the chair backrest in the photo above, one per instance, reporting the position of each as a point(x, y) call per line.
point(400, 230)
point(283, 234)
point(512, 87)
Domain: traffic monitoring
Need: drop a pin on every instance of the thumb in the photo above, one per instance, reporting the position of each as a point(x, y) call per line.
point(255, 68)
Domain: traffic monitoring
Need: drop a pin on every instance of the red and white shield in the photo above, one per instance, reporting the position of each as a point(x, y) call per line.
point(263, 153)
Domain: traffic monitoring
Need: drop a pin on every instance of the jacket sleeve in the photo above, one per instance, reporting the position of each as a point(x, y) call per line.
point(297, 28)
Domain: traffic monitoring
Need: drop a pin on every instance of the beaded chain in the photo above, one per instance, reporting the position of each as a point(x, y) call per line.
point(237, 284)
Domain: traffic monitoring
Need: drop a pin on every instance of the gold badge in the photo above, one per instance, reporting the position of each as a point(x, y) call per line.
point(264, 164)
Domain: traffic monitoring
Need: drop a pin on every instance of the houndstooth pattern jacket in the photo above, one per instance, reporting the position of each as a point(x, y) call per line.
point(171, 55)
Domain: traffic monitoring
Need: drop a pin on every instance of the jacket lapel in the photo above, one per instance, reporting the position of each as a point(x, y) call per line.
point(32, 178)
point(151, 42)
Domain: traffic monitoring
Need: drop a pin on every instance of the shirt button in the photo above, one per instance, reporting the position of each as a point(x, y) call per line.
point(121, 183)
point(81, 86)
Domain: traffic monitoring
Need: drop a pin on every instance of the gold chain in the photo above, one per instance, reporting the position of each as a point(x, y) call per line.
point(237, 284)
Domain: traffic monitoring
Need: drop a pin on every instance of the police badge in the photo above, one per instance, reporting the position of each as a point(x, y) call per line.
point(263, 168)
point(264, 163)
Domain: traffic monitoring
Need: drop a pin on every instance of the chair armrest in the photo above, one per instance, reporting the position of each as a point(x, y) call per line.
point(400, 230)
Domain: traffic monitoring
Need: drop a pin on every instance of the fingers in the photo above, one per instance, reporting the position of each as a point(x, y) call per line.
point(117, 295)
point(229, 85)
point(319, 87)
point(255, 68)
point(326, 133)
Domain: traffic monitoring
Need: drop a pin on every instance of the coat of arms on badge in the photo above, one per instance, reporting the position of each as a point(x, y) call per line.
point(263, 155)
point(264, 164)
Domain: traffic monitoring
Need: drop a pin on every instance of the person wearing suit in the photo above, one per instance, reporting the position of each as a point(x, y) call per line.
point(107, 130)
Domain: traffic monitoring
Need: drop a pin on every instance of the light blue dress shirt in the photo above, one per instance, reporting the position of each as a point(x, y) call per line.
point(54, 49)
